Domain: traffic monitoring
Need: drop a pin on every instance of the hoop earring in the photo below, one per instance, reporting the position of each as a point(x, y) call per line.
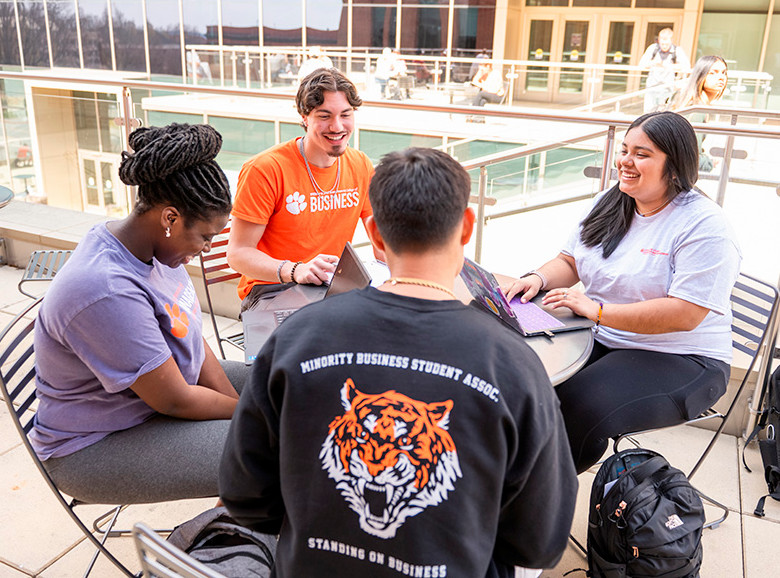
point(168, 232)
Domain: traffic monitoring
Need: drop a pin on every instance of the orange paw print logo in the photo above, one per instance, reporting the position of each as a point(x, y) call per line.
point(180, 323)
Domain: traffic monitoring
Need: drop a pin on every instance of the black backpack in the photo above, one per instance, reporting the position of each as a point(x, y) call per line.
point(645, 519)
point(769, 419)
point(222, 544)
point(672, 50)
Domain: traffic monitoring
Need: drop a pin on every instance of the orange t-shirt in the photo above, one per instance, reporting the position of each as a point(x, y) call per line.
point(275, 190)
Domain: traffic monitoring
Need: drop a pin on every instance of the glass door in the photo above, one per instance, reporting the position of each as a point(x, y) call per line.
point(539, 49)
point(101, 190)
point(619, 51)
point(553, 41)
point(574, 49)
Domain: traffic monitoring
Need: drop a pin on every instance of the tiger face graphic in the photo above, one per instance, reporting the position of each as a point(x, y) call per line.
point(391, 457)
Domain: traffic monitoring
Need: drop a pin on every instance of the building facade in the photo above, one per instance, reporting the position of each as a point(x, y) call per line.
point(561, 52)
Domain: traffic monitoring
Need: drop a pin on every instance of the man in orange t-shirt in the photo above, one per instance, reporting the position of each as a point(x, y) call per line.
point(298, 203)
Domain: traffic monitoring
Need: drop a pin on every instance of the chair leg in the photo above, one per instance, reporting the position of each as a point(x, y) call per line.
point(715, 523)
point(580, 547)
point(113, 514)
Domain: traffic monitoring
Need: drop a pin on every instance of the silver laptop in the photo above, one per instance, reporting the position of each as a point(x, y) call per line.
point(260, 321)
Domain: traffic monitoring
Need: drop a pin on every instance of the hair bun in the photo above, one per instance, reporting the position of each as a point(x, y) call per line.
point(162, 151)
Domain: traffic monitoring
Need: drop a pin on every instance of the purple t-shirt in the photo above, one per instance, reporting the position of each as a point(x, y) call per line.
point(108, 319)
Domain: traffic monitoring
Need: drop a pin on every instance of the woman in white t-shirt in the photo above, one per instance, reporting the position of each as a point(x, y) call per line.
point(658, 261)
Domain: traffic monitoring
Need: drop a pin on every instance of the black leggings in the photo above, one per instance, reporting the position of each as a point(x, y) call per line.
point(624, 390)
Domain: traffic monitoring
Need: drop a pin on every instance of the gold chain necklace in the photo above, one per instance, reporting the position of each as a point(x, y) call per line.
point(654, 211)
point(311, 176)
point(420, 282)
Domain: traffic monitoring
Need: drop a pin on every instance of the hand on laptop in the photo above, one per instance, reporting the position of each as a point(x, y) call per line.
point(574, 300)
point(527, 287)
point(317, 271)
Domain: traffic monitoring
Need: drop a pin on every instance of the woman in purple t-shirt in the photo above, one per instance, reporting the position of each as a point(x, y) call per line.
point(134, 406)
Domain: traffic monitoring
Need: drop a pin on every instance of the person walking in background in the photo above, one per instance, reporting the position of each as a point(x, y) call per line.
point(706, 86)
point(664, 61)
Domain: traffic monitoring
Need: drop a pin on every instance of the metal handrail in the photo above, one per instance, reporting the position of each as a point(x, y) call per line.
point(612, 123)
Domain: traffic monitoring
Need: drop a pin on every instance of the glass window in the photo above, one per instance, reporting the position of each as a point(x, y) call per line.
point(735, 37)
point(86, 120)
point(64, 37)
point(240, 23)
point(547, 2)
point(9, 45)
point(282, 22)
point(201, 21)
point(379, 28)
point(95, 128)
point(162, 17)
point(473, 26)
point(425, 29)
point(95, 36)
point(660, 4)
point(128, 20)
point(32, 23)
point(324, 20)
point(603, 3)
point(772, 61)
point(736, 5)
point(201, 27)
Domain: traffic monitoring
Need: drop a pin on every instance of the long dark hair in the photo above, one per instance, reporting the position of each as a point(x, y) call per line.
point(610, 219)
point(691, 94)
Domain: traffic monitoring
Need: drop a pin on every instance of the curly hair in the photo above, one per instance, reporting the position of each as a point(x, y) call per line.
point(311, 92)
point(175, 165)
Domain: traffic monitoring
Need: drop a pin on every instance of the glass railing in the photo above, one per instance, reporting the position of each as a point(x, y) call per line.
point(521, 160)
point(592, 87)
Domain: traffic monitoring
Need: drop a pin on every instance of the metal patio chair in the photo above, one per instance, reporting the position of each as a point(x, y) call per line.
point(42, 266)
point(754, 306)
point(17, 387)
point(215, 269)
point(161, 559)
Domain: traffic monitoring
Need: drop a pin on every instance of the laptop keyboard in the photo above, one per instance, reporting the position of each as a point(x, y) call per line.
point(533, 318)
point(282, 314)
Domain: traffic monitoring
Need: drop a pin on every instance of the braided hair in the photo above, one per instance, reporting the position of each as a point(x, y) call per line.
point(174, 165)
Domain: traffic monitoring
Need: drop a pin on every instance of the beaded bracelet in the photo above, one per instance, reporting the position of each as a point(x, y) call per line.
point(598, 319)
point(538, 274)
point(292, 271)
point(279, 270)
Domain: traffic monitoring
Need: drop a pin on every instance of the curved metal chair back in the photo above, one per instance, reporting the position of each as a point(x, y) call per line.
point(754, 325)
point(17, 387)
point(215, 269)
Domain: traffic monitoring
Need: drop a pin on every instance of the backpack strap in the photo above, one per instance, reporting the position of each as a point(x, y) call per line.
point(764, 409)
point(772, 475)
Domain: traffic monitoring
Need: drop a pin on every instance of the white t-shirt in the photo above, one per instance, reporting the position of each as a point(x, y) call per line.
point(688, 251)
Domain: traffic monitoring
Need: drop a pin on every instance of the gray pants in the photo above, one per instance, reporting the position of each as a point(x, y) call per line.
point(160, 460)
